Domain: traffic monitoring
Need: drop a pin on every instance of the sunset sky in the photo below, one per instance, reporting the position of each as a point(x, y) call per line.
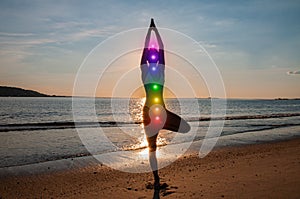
point(255, 44)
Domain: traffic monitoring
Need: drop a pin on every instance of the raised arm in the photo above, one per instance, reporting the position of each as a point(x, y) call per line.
point(161, 59)
point(160, 43)
point(161, 46)
point(147, 41)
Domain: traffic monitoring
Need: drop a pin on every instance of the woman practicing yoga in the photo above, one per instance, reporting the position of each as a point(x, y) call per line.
point(155, 114)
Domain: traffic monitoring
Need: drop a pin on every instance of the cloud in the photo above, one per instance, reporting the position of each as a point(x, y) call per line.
point(29, 42)
point(293, 72)
point(206, 44)
point(209, 45)
point(89, 33)
point(10, 34)
point(225, 22)
point(70, 24)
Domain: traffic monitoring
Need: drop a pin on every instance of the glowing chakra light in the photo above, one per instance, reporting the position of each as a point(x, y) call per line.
point(156, 111)
point(157, 118)
point(155, 87)
point(153, 68)
point(156, 100)
point(153, 57)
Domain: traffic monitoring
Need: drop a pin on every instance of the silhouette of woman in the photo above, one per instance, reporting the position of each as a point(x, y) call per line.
point(155, 114)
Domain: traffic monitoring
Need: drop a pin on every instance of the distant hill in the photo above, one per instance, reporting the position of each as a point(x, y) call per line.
point(6, 91)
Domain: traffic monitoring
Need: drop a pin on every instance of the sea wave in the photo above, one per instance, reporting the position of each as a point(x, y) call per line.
point(247, 117)
point(70, 124)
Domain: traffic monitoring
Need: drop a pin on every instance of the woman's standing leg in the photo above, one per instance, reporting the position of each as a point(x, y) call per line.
point(152, 154)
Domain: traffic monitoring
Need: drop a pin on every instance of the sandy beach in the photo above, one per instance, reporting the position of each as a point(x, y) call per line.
point(269, 170)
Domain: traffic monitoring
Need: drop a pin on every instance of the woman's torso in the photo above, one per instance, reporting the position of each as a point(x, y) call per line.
point(153, 78)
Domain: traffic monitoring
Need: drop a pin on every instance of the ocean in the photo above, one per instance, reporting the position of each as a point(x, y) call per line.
point(36, 130)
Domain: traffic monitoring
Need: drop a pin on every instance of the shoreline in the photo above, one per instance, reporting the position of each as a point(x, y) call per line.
point(234, 140)
point(244, 139)
point(245, 171)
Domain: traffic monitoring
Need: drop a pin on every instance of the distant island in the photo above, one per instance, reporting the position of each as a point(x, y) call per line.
point(6, 91)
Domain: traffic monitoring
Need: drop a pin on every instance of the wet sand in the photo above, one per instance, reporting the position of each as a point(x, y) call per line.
point(270, 170)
